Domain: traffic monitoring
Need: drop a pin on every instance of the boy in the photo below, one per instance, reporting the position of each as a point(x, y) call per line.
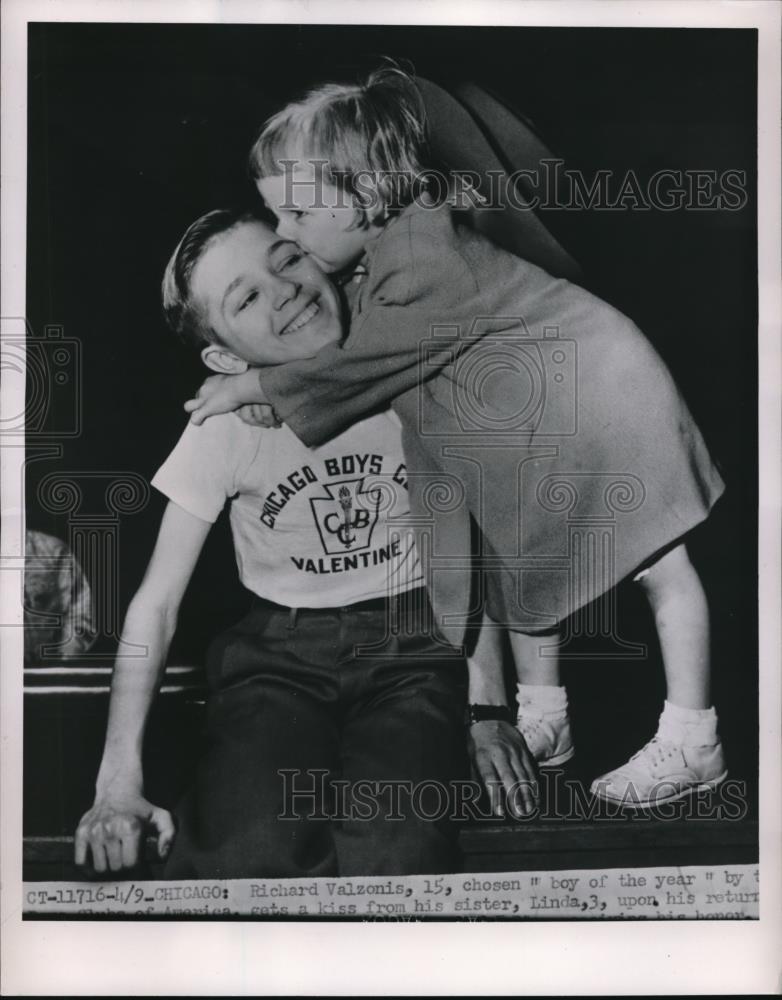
point(336, 672)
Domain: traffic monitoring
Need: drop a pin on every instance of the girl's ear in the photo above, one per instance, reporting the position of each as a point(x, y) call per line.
point(221, 360)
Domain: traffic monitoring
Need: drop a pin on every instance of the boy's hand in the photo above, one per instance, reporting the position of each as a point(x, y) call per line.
point(113, 831)
point(223, 394)
point(504, 765)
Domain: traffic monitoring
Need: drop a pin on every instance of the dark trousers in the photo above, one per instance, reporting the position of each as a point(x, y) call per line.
point(333, 737)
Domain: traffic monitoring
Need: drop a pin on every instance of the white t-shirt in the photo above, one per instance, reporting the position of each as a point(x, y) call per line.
point(312, 528)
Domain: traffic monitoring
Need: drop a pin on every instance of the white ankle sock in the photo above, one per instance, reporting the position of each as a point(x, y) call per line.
point(545, 697)
point(694, 727)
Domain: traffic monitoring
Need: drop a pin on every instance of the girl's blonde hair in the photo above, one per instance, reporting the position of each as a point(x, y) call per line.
point(370, 136)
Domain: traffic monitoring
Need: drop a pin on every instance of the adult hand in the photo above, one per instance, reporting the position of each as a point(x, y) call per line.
point(505, 766)
point(113, 828)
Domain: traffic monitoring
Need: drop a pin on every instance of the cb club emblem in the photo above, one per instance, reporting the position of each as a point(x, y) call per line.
point(346, 517)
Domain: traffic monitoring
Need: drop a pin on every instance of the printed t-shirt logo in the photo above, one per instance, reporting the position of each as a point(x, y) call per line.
point(346, 516)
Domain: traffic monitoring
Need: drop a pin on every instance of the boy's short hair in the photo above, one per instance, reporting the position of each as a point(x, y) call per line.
point(377, 131)
point(182, 313)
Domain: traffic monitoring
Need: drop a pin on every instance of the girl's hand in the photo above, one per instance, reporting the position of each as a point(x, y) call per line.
point(223, 394)
point(259, 415)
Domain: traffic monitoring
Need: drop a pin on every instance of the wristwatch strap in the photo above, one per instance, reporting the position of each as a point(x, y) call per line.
point(486, 713)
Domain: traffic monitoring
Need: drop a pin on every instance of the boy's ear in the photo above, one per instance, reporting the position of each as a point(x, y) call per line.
point(221, 360)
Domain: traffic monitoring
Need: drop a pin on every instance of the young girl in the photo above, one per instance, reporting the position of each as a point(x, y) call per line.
point(539, 404)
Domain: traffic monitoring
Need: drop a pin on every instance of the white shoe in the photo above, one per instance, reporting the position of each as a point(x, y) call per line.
point(662, 771)
point(547, 735)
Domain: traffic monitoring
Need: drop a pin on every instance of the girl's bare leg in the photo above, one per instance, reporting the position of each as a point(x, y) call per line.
point(535, 657)
point(542, 713)
point(681, 614)
point(685, 754)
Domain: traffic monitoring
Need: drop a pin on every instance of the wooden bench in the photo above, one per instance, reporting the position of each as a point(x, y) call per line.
point(65, 715)
point(498, 847)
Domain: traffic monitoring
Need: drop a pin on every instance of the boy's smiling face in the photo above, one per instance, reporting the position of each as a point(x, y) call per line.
point(318, 216)
point(266, 301)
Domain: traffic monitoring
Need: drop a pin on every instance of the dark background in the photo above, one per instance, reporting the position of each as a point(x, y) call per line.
point(134, 130)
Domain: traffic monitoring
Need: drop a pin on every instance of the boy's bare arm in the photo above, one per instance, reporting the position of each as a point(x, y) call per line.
point(111, 831)
point(497, 749)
